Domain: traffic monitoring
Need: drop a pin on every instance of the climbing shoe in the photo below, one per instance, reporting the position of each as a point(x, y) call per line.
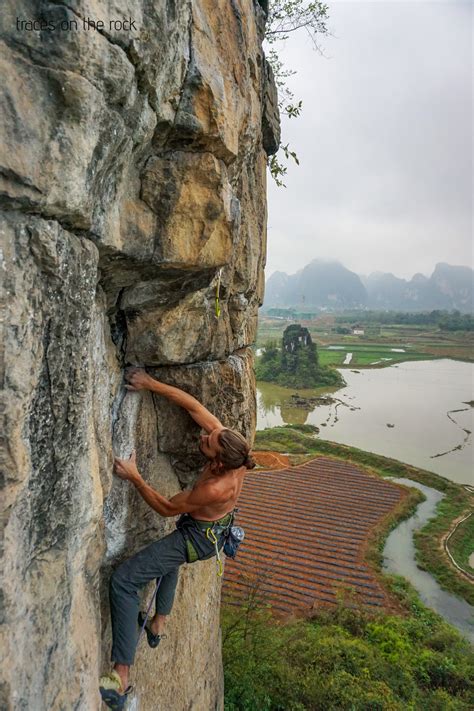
point(153, 639)
point(109, 687)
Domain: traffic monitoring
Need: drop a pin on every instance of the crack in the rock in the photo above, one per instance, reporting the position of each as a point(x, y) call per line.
point(116, 407)
point(182, 89)
point(10, 174)
point(190, 62)
point(63, 224)
point(118, 328)
point(46, 344)
point(199, 363)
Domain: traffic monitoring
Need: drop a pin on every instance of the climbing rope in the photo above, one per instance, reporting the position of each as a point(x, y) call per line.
point(149, 608)
point(211, 536)
point(218, 288)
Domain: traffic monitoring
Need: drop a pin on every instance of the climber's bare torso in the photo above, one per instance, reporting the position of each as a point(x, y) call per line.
point(227, 486)
point(215, 494)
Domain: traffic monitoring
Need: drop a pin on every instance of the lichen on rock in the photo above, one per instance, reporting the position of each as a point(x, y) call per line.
point(132, 170)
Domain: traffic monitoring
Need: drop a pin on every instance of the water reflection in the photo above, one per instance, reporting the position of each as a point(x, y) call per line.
point(399, 412)
point(276, 405)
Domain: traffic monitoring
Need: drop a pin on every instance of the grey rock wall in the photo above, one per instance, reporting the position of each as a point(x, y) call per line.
point(132, 170)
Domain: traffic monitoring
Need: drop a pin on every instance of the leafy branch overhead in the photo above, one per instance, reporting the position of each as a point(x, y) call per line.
point(285, 17)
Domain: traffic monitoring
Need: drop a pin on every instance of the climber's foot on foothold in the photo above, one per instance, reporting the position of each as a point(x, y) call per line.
point(153, 639)
point(110, 687)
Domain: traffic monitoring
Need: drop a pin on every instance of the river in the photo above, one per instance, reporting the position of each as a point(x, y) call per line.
point(399, 558)
point(417, 412)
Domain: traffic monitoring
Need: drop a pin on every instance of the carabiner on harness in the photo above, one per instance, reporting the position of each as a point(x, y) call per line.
point(211, 536)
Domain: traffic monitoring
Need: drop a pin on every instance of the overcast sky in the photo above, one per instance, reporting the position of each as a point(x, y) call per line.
point(384, 141)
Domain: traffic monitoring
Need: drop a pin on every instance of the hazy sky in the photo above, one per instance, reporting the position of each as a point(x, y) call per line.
point(384, 141)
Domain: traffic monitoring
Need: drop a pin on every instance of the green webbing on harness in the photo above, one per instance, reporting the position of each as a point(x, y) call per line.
point(191, 551)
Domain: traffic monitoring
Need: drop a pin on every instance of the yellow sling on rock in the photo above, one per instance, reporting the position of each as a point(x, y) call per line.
point(218, 288)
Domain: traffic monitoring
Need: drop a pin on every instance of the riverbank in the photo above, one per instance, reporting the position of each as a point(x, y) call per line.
point(459, 544)
point(299, 443)
point(399, 558)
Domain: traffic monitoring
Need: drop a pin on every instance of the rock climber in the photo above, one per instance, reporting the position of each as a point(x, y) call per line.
point(207, 507)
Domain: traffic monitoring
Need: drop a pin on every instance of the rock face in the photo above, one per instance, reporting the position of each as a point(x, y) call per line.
point(132, 174)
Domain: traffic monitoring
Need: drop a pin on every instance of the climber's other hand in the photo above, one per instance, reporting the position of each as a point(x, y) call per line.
point(137, 379)
point(126, 468)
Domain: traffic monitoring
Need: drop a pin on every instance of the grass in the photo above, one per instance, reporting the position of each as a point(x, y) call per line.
point(431, 556)
point(461, 544)
point(300, 443)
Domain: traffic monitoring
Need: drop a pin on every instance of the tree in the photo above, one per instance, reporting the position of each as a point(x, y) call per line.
point(283, 18)
point(295, 363)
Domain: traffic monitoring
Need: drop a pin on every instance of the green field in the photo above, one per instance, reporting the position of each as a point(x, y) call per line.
point(374, 348)
point(367, 355)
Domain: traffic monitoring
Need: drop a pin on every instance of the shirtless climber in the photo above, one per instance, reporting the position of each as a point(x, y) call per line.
point(208, 505)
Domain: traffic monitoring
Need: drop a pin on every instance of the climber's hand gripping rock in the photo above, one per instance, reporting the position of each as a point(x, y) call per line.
point(138, 379)
point(127, 468)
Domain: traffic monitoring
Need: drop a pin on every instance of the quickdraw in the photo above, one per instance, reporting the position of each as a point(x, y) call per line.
point(218, 288)
point(211, 536)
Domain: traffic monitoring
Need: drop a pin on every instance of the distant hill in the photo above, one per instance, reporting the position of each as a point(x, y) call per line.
point(331, 285)
point(447, 288)
point(320, 283)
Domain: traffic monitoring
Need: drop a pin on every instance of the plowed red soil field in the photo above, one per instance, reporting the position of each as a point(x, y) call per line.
point(306, 531)
point(271, 460)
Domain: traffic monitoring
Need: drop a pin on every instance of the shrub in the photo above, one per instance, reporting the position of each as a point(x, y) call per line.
point(343, 660)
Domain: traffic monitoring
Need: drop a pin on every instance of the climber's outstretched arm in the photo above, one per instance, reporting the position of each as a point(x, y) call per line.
point(184, 502)
point(138, 379)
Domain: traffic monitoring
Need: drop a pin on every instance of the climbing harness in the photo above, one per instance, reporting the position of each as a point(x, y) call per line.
point(221, 533)
point(149, 608)
point(218, 288)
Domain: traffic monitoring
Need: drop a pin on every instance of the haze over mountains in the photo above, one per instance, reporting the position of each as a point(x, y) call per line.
point(324, 284)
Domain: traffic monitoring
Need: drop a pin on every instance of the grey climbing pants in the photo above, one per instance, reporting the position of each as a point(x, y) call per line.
point(158, 560)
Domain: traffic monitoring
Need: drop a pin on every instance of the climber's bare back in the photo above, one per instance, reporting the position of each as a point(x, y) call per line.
point(222, 490)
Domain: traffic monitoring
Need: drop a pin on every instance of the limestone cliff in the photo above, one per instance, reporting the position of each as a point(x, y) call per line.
point(132, 169)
